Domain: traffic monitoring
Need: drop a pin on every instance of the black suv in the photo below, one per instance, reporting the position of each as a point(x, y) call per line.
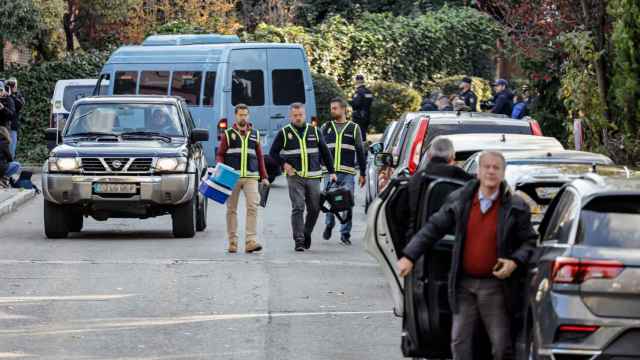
point(125, 157)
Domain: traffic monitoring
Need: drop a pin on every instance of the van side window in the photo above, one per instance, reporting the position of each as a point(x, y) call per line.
point(186, 84)
point(209, 88)
point(247, 87)
point(288, 86)
point(154, 83)
point(126, 83)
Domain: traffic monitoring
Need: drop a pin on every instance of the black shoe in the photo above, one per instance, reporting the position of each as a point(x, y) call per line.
point(345, 239)
point(307, 241)
point(327, 232)
point(299, 248)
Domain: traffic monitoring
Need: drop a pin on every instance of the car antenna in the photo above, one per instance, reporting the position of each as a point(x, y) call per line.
point(594, 167)
point(504, 138)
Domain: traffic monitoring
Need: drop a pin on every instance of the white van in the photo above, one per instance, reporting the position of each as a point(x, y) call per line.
point(65, 94)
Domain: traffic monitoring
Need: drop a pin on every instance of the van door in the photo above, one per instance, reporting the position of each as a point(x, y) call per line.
point(246, 83)
point(290, 82)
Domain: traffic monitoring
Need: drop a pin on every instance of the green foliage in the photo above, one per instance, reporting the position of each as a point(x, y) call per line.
point(325, 89)
point(37, 84)
point(18, 20)
point(177, 27)
point(391, 100)
point(450, 85)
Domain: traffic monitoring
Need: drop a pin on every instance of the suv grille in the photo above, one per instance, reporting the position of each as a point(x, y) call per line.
point(92, 165)
point(117, 165)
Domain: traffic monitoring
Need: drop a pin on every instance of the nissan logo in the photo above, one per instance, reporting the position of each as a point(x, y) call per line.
point(117, 164)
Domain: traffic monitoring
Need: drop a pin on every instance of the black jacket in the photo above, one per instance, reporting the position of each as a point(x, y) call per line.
point(470, 99)
point(325, 153)
point(18, 101)
point(516, 236)
point(436, 167)
point(7, 112)
point(503, 103)
point(361, 104)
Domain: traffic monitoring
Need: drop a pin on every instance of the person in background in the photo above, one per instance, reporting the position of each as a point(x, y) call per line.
point(301, 150)
point(7, 106)
point(519, 107)
point(503, 99)
point(19, 102)
point(443, 103)
point(469, 97)
point(361, 105)
point(240, 149)
point(344, 139)
point(8, 167)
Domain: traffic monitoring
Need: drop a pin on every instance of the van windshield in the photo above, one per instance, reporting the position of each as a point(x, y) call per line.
point(117, 119)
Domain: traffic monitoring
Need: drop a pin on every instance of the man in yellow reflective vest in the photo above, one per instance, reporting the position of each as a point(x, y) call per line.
point(301, 150)
point(240, 148)
point(344, 139)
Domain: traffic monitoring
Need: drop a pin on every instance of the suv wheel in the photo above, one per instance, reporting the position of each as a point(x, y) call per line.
point(76, 222)
point(201, 215)
point(184, 219)
point(56, 221)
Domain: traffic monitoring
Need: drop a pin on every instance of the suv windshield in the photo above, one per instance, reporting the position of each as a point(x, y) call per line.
point(117, 119)
point(610, 221)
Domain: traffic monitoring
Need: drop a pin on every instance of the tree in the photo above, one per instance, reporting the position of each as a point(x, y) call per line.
point(19, 22)
point(89, 23)
point(271, 12)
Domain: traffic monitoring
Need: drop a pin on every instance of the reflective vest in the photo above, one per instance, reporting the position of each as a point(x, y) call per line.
point(241, 153)
point(302, 153)
point(342, 145)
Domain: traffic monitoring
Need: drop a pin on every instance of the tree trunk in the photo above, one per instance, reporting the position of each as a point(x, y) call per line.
point(600, 65)
point(1, 54)
point(69, 24)
point(501, 69)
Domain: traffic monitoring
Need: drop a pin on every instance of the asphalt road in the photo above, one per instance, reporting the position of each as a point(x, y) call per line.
point(126, 289)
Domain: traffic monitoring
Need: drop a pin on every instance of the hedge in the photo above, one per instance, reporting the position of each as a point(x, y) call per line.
point(390, 101)
point(325, 89)
point(37, 84)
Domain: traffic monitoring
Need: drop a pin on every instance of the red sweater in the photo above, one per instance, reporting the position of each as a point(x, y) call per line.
point(480, 252)
point(223, 146)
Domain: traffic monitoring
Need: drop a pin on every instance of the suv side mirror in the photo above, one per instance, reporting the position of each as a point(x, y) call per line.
point(383, 159)
point(376, 148)
point(198, 135)
point(53, 134)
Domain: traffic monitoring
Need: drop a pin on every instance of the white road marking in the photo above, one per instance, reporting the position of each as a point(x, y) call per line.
point(20, 299)
point(136, 323)
point(13, 355)
point(5, 316)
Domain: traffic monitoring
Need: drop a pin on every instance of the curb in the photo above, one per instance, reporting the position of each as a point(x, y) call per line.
point(16, 201)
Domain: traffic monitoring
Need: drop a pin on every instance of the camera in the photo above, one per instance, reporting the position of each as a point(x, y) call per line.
point(487, 105)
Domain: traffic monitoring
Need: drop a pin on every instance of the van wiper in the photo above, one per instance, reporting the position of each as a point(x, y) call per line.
point(151, 134)
point(92, 134)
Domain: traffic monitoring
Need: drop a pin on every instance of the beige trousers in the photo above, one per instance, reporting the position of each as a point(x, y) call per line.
point(252, 196)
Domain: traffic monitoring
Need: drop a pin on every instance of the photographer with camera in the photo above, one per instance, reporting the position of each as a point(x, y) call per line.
point(7, 106)
point(19, 102)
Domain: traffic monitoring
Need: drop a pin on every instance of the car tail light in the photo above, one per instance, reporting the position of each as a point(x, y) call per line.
point(574, 332)
point(416, 148)
point(535, 127)
point(314, 121)
point(576, 271)
point(222, 126)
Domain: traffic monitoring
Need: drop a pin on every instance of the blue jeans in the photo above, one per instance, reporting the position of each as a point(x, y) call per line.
point(14, 143)
point(348, 181)
point(13, 168)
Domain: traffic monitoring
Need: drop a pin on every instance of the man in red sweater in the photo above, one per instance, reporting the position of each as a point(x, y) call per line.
point(240, 148)
point(494, 241)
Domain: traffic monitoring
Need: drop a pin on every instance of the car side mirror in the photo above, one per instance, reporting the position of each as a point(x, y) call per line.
point(53, 134)
point(383, 159)
point(376, 148)
point(198, 135)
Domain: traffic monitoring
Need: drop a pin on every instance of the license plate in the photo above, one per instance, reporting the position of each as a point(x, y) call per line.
point(100, 188)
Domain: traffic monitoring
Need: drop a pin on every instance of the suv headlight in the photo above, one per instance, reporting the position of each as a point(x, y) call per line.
point(171, 164)
point(65, 164)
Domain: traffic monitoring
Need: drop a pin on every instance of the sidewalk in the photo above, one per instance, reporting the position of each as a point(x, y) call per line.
point(11, 199)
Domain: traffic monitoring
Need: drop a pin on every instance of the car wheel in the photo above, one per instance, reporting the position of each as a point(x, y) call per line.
point(184, 219)
point(56, 221)
point(76, 222)
point(201, 215)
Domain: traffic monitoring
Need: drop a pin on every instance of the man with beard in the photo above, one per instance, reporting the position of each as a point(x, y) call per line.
point(344, 139)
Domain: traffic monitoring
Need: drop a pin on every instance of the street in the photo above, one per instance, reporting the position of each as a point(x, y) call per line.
point(126, 289)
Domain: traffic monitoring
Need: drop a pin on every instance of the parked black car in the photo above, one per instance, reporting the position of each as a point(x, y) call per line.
point(125, 157)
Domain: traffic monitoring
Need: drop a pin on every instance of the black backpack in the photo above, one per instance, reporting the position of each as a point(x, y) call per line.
point(340, 199)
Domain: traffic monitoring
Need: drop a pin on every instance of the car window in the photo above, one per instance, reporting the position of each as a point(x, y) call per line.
point(103, 84)
point(247, 87)
point(209, 88)
point(191, 124)
point(126, 83)
point(287, 86)
point(436, 129)
point(472, 165)
point(122, 118)
point(187, 84)
point(154, 83)
point(610, 221)
point(75, 92)
point(563, 218)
